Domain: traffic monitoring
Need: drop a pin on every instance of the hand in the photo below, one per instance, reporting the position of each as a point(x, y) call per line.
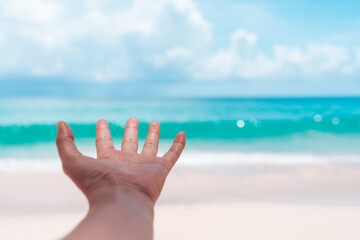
point(115, 173)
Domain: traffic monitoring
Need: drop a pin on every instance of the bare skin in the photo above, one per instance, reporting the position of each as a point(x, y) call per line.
point(121, 186)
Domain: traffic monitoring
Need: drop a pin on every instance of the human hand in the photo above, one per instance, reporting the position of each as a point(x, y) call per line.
point(115, 173)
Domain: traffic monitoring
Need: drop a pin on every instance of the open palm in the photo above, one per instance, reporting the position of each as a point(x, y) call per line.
point(118, 170)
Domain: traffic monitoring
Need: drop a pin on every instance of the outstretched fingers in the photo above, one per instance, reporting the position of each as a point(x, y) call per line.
point(104, 142)
point(176, 149)
point(130, 140)
point(65, 143)
point(152, 140)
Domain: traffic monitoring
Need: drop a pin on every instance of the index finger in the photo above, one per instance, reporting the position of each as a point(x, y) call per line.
point(176, 148)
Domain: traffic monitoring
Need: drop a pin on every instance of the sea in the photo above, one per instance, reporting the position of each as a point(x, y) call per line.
point(220, 131)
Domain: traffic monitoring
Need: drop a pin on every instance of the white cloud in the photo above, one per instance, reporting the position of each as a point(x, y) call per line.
point(48, 70)
point(241, 35)
point(355, 65)
point(172, 54)
point(193, 14)
point(2, 38)
point(243, 59)
point(117, 39)
point(357, 56)
point(83, 35)
point(117, 68)
point(35, 10)
point(313, 59)
point(228, 62)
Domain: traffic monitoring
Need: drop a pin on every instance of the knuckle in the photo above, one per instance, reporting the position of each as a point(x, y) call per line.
point(66, 169)
point(106, 154)
point(62, 139)
point(59, 139)
point(174, 151)
point(150, 144)
point(132, 124)
point(154, 133)
point(130, 140)
point(155, 127)
point(103, 138)
point(129, 145)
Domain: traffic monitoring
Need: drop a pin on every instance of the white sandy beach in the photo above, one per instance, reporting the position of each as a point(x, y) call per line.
point(253, 202)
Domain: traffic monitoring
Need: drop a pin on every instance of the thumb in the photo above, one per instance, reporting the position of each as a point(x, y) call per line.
point(65, 144)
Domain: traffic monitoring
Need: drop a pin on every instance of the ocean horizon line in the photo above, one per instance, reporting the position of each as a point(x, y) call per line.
point(177, 98)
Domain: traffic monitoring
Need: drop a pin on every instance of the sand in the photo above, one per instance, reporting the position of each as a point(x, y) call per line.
point(217, 202)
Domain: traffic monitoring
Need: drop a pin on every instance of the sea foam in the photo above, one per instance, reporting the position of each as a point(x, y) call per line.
point(199, 159)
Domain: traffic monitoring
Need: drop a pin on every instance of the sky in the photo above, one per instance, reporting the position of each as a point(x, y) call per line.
point(179, 48)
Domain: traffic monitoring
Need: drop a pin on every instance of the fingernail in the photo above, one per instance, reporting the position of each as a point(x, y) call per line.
point(102, 121)
point(182, 136)
point(133, 120)
point(60, 127)
point(155, 124)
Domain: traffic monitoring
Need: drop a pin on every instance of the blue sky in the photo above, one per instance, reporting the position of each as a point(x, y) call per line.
point(181, 48)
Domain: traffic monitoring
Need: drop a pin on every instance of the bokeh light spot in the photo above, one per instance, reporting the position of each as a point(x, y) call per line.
point(317, 118)
point(335, 121)
point(240, 123)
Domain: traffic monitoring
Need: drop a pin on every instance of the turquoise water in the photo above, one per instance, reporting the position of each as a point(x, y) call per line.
point(303, 125)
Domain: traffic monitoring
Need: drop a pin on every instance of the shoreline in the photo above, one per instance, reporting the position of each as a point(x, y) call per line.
point(195, 159)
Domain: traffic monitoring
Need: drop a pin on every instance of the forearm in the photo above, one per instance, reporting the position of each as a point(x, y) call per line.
point(121, 217)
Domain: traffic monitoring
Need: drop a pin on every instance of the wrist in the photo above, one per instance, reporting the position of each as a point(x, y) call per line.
point(117, 212)
point(121, 197)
